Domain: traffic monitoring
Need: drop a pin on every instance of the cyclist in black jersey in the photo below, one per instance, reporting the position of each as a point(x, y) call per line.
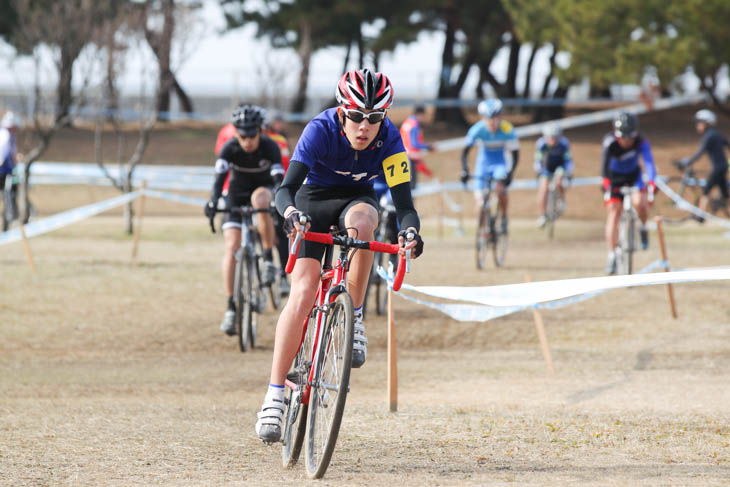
point(254, 162)
point(713, 143)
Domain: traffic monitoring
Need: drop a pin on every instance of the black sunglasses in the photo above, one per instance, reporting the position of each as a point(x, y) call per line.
point(357, 116)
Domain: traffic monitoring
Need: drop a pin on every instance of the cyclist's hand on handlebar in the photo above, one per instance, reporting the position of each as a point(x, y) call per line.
point(293, 223)
point(651, 188)
point(209, 209)
point(606, 184)
point(415, 242)
point(464, 177)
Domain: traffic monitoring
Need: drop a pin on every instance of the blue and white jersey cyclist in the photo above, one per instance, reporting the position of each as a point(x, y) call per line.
point(626, 161)
point(330, 182)
point(497, 142)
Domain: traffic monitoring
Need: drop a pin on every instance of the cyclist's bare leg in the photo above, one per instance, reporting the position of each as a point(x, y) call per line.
point(614, 213)
point(362, 220)
point(232, 241)
point(641, 203)
point(304, 283)
point(542, 192)
point(261, 199)
point(559, 183)
point(502, 196)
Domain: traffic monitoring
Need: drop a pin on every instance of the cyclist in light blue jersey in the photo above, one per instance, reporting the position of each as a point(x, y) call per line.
point(495, 137)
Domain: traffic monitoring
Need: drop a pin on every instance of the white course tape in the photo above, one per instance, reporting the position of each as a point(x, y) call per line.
point(178, 198)
point(66, 218)
point(530, 293)
point(581, 120)
point(479, 313)
point(683, 204)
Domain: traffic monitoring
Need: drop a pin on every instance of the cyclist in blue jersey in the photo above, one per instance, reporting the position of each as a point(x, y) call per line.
point(552, 160)
point(622, 150)
point(330, 182)
point(714, 144)
point(8, 160)
point(496, 137)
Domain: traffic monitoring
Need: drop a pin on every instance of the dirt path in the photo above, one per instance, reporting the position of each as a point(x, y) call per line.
point(115, 373)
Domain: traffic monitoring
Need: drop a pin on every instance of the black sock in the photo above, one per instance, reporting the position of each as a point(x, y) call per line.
point(231, 304)
point(268, 256)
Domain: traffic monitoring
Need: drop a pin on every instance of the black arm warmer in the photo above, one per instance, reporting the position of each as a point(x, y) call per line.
point(404, 210)
point(217, 190)
point(293, 180)
point(605, 159)
point(515, 160)
point(464, 156)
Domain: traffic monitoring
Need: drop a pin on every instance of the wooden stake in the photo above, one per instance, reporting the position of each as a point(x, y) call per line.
point(540, 326)
point(663, 247)
point(138, 226)
point(26, 245)
point(392, 358)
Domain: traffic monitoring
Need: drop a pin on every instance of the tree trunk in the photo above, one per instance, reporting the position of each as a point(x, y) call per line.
point(186, 104)
point(449, 115)
point(64, 90)
point(514, 61)
point(305, 56)
point(528, 74)
point(162, 45)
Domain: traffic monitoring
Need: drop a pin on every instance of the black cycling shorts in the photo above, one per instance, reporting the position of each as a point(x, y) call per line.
point(327, 207)
point(618, 180)
point(241, 198)
point(719, 179)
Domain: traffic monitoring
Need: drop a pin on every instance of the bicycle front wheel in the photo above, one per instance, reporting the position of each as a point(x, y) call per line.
point(330, 385)
point(552, 212)
point(295, 425)
point(624, 258)
point(243, 292)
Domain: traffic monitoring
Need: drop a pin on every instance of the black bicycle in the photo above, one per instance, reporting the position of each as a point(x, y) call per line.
point(249, 291)
point(489, 234)
point(555, 206)
point(691, 187)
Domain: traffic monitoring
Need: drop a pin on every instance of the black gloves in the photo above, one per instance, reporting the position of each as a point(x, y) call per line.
point(418, 249)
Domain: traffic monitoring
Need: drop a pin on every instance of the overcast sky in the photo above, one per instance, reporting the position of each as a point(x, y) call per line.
point(236, 64)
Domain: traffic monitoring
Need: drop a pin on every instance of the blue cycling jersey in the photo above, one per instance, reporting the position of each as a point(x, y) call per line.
point(622, 161)
point(492, 145)
point(550, 157)
point(332, 162)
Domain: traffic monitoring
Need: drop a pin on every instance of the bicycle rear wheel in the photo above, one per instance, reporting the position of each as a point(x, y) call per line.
point(330, 385)
point(295, 425)
point(482, 238)
point(381, 285)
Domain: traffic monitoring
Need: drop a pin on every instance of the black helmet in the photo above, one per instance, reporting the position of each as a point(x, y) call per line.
point(626, 125)
point(248, 119)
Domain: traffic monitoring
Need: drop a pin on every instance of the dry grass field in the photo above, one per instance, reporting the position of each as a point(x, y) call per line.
point(114, 372)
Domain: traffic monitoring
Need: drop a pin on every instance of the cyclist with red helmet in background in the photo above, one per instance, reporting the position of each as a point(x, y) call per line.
point(622, 150)
point(714, 144)
point(330, 182)
point(254, 162)
point(412, 134)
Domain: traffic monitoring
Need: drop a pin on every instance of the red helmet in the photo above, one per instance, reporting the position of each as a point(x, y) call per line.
point(361, 88)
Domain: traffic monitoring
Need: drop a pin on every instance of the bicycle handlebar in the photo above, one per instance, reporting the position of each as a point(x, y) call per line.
point(349, 242)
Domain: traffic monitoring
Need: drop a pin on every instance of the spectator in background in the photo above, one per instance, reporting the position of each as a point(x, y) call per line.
point(412, 135)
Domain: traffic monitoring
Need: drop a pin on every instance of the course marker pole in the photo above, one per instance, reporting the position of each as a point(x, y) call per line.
point(540, 326)
point(663, 247)
point(392, 358)
point(138, 226)
point(26, 245)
